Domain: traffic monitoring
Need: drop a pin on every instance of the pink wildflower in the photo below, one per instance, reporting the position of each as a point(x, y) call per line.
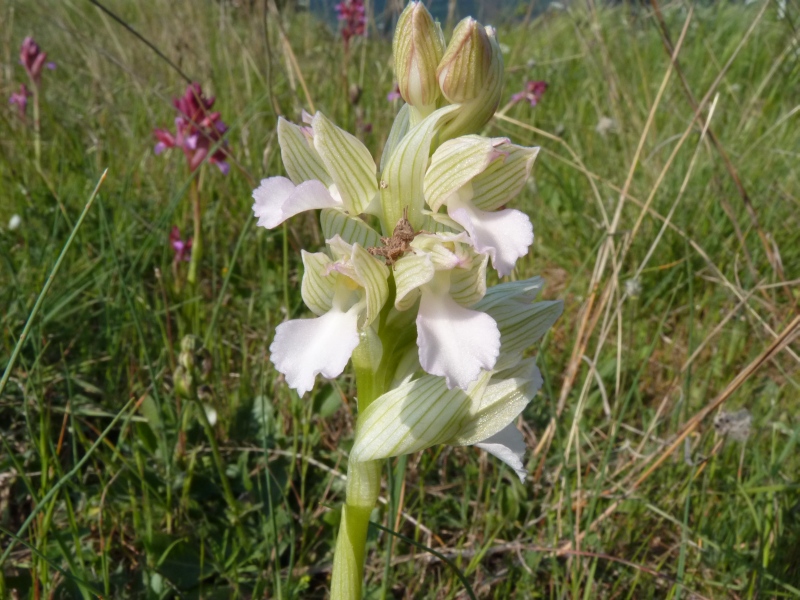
point(33, 59)
point(183, 249)
point(20, 99)
point(533, 92)
point(196, 130)
point(353, 17)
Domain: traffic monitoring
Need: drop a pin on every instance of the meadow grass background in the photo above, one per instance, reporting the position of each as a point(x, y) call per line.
point(111, 486)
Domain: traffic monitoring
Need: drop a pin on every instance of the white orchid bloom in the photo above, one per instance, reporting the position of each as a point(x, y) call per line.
point(448, 277)
point(423, 412)
point(346, 293)
point(328, 168)
point(473, 176)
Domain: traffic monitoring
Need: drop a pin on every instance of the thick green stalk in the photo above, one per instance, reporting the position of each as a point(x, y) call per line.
point(363, 487)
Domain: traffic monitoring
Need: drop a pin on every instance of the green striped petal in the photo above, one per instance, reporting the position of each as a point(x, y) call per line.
point(403, 175)
point(410, 273)
point(372, 275)
point(468, 286)
point(351, 229)
point(300, 158)
point(349, 163)
point(503, 179)
point(317, 288)
point(455, 163)
point(400, 127)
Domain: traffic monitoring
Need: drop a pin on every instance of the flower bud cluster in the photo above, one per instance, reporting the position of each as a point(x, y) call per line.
point(401, 290)
point(468, 72)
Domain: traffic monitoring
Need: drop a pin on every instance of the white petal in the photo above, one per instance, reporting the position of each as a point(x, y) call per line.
point(455, 342)
point(305, 347)
point(277, 199)
point(509, 446)
point(504, 235)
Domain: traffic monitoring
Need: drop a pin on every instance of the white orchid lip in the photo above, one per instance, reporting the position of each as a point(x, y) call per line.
point(504, 235)
point(305, 348)
point(455, 342)
point(278, 199)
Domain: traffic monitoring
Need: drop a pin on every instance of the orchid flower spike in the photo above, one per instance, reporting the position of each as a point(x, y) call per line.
point(400, 290)
point(33, 58)
point(197, 131)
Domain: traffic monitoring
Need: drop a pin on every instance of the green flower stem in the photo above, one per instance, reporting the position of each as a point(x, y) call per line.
point(363, 486)
point(197, 233)
point(37, 126)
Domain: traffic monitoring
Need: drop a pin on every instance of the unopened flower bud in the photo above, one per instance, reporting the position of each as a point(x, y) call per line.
point(418, 48)
point(471, 75)
point(464, 70)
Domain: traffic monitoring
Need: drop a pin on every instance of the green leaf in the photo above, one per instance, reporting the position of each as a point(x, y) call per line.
point(506, 396)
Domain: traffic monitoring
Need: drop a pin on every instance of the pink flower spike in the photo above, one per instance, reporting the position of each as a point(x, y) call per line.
point(197, 130)
point(533, 92)
point(352, 15)
point(32, 58)
point(183, 249)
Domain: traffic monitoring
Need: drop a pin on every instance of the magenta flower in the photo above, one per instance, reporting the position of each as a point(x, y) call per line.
point(197, 129)
point(20, 99)
point(353, 17)
point(183, 249)
point(394, 94)
point(33, 59)
point(533, 92)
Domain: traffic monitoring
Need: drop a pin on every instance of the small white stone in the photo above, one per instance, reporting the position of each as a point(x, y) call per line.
point(606, 125)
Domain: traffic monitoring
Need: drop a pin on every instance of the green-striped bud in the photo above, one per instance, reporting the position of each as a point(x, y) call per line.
point(418, 48)
point(471, 75)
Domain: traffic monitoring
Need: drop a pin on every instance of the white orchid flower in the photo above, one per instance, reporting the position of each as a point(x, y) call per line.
point(328, 169)
point(448, 277)
point(424, 412)
point(473, 176)
point(347, 294)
